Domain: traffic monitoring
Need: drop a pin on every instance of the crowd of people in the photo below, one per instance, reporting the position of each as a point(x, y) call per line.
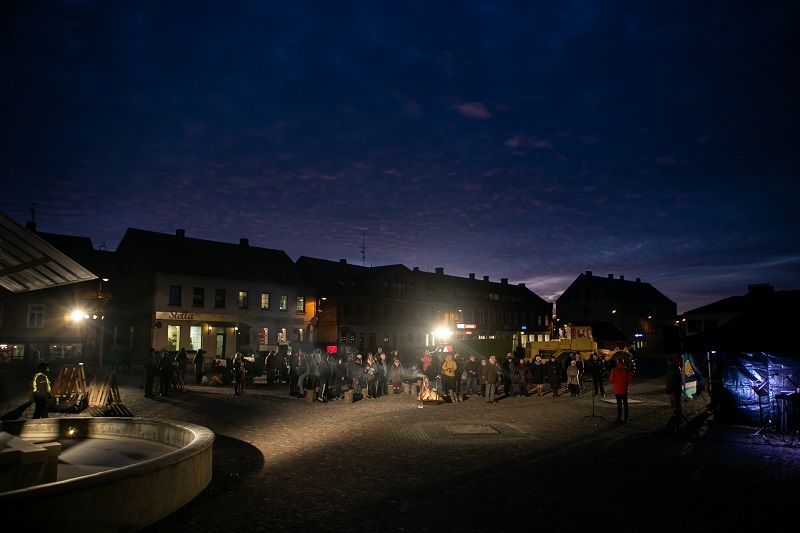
point(444, 375)
point(330, 375)
point(510, 376)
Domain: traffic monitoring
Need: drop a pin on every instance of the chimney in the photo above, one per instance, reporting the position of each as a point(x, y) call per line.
point(622, 278)
point(521, 285)
point(504, 281)
point(440, 271)
point(472, 275)
point(485, 278)
point(638, 280)
point(243, 241)
point(343, 261)
point(31, 225)
point(416, 269)
point(180, 233)
point(588, 272)
point(611, 276)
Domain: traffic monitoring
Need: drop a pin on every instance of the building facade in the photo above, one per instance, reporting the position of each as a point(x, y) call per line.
point(174, 291)
point(395, 308)
point(635, 308)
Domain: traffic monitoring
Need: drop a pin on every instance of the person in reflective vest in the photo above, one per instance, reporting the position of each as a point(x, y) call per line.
point(41, 390)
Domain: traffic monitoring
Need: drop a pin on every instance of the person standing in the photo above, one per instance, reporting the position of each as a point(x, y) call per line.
point(537, 373)
point(238, 374)
point(508, 370)
point(448, 373)
point(521, 377)
point(597, 369)
point(573, 380)
point(472, 367)
point(150, 369)
point(383, 373)
point(41, 390)
point(324, 373)
point(553, 371)
point(396, 375)
point(621, 378)
point(165, 372)
point(183, 360)
point(482, 379)
point(371, 373)
point(339, 377)
point(490, 376)
point(199, 365)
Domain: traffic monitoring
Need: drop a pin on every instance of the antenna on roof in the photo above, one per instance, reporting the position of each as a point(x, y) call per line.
point(33, 212)
point(363, 249)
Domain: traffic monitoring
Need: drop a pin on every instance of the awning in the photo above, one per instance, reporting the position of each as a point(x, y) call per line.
point(28, 263)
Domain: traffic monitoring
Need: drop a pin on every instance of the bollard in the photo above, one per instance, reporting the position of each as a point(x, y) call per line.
point(406, 388)
point(348, 396)
point(309, 396)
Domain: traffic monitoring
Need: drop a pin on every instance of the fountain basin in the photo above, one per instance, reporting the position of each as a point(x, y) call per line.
point(114, 474)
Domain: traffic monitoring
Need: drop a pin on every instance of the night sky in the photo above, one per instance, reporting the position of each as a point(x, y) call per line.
point(524, 140)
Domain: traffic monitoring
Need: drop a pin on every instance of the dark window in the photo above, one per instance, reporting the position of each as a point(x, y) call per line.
point(199, 297)
point(174, 295)
point(219, 298)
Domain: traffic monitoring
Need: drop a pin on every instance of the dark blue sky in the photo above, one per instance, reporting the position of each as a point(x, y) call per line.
point(524, 140)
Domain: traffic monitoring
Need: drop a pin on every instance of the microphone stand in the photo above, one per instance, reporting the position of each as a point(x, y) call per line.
point(593, 415)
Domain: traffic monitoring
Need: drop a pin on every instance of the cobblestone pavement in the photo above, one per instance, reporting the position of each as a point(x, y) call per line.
point(396, 464)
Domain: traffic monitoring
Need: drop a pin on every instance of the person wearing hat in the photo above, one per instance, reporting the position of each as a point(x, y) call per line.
point(41, 390)
point(472, 368)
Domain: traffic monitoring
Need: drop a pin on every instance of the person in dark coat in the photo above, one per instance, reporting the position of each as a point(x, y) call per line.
point(553, 371)
point(199, 365)
point(41, 390)
point(597, 368)
point(473, 370)
point(507, 372)
point(183, 360)
point(521, 378)
point(165, 371)
point(537, 373)
point(339, 378)
point(491, 375)
point(238, 374)
point(297, 366)
point(383, 373)
point(325, 371)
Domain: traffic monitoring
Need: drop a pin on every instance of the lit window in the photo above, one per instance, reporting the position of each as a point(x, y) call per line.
point(264, 301)
point(284, 305)
point(244, 300)
point(301, 304)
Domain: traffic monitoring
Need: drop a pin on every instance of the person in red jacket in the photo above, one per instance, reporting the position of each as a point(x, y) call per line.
point(621, 377)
